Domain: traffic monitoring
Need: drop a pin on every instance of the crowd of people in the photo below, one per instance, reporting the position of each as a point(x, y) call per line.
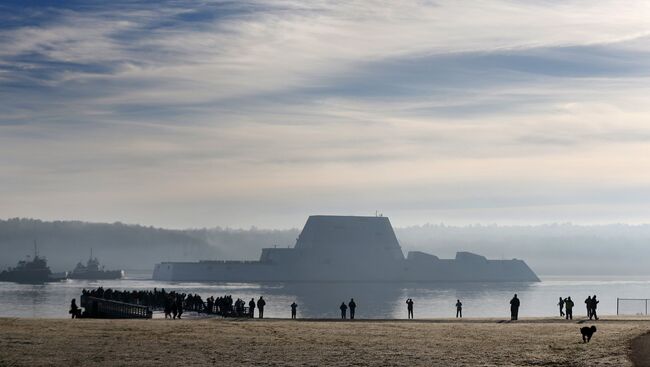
point(566, 307)
point(225, 307)
point(174, 304)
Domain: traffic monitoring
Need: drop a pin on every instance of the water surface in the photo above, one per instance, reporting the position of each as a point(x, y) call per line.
point(374, 300)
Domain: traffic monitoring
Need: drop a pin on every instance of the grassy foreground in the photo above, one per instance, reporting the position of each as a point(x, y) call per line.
point(43, 342)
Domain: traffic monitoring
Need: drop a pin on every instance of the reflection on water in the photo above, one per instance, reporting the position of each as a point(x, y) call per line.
point(374, 300)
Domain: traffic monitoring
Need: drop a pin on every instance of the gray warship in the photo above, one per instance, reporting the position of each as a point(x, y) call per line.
point(92, 271)
point(32, 271)
point(348, 249)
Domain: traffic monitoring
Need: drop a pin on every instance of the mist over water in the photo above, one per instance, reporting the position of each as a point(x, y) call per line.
point(374, 300)
point(120, 246)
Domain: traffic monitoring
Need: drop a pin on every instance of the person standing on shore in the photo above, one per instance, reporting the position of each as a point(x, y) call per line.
point(561, 304)
point(260, 307)
point(174, 309)
point(568, 303)
point(179, 307)
point(294, 306)
point(588, 305)
point(409, 308)
point(74, 310)
point(344, 309)
point(459, 309)
point(168, 308)
point(514, 308)
point(251, 308)
point(353, 306)
point(594, 305)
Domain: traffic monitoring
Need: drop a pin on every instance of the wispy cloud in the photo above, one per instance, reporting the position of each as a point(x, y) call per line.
point(260, 112)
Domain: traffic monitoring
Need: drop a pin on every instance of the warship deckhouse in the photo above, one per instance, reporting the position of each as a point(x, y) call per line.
point(348, 248)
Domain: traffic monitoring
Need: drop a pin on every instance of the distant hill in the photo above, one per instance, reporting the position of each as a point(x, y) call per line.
point(117, 245)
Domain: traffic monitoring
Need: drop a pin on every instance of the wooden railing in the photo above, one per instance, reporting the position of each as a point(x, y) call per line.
point(232, 313)
point(108, 309)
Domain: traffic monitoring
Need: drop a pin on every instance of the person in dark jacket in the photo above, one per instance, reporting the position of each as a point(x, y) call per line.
point(260, 307)
point(353, 306)
point(514, 308)
point(344, 309)
point(180, 308)
point(459, 309)
point(594, 306)
point(168, 308)
point(251, 308)
point(409, 308)
point(568, 304)
point(294, 306)
point(588, 305)
point(561, 304)
point(74, 310)
point(174, 309)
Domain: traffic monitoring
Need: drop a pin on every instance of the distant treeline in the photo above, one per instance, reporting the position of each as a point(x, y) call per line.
point(562, 249)
point(116, 245)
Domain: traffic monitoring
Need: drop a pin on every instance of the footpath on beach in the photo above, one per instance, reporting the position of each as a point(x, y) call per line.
point(619, 341)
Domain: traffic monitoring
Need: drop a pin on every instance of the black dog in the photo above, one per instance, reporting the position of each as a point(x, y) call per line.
point(587, 332)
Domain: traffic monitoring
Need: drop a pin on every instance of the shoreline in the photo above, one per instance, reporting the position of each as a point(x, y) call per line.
point(435, 320)
point(401, 342)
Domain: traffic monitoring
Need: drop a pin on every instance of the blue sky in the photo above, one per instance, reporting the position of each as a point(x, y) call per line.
point(190, 114)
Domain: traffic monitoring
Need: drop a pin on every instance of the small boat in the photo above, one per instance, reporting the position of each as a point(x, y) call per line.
point(32, 271)
point(93, 271)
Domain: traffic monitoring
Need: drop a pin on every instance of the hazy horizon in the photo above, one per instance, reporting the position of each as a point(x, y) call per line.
point(555, 249)
point(300, 223)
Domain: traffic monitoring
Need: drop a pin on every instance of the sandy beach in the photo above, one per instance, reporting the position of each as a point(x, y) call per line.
point(485, 342)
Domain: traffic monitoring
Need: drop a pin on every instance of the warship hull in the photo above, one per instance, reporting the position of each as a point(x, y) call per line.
point(443, 271)
point(348, 249)
point(97, 275)
point(27, 276)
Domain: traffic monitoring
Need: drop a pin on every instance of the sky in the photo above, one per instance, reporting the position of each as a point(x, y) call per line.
point(239, 113)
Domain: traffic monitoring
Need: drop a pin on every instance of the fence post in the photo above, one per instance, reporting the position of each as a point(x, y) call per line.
point(617, 306)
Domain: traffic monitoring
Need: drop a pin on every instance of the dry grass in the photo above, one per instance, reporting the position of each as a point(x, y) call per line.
point(36, 342)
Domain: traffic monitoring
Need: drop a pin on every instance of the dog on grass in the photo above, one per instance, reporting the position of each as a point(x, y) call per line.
point(587, 332)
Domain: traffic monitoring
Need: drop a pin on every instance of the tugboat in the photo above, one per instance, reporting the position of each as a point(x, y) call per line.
point(92, 271)
point(34, 271)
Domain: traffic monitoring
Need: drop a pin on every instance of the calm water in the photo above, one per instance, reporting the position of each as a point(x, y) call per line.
point(373, 300)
